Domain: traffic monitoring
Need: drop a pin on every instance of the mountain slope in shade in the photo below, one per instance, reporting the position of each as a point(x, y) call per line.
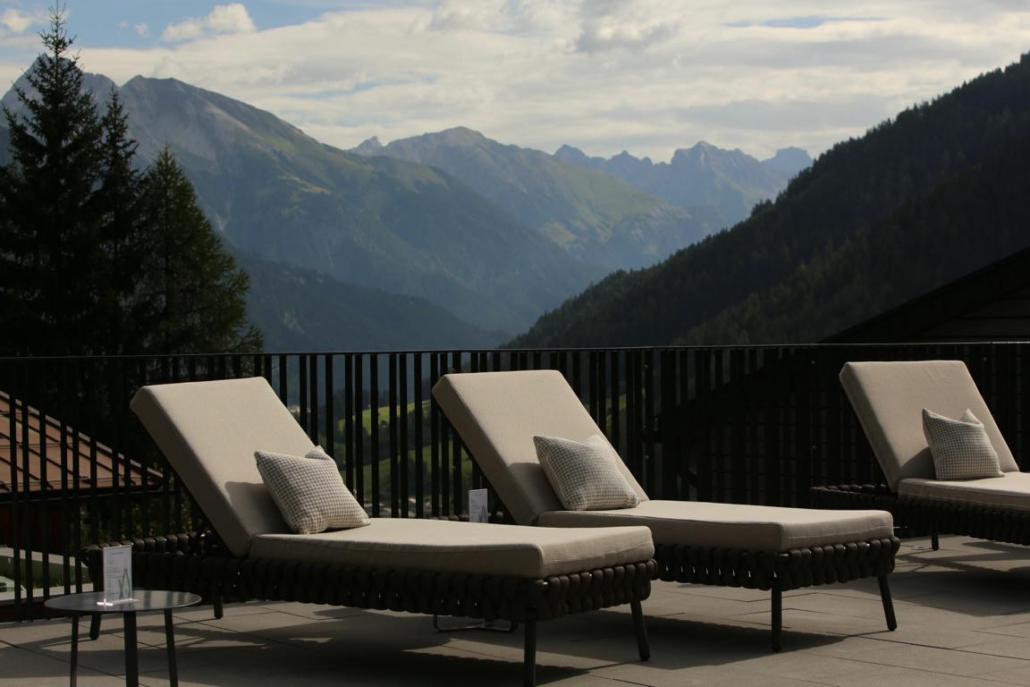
point(300, 310)
point(728, 182)
point(925, 244)
point(594, 216)
point(848, 190)
point(276, 193)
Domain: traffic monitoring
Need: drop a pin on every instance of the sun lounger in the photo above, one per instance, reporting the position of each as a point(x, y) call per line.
point(498, 414)
point(209, 432)
point(889, 398)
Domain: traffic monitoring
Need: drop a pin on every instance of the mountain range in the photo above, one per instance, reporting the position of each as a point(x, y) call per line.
point(595, 216)
point(469, 238)
point(728, 182)
point(935, 193)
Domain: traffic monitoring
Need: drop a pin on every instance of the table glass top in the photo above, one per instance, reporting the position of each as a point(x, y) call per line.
point(142, 600)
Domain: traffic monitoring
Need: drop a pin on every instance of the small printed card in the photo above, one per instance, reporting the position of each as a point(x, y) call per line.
point(117, 575)
point(479, 511)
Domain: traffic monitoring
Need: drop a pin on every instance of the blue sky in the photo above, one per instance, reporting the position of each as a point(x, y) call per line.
point(648, 76)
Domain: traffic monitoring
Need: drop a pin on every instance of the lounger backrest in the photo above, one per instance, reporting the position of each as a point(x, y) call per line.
point(497, 415)
point(889, 398)
point(209, 432)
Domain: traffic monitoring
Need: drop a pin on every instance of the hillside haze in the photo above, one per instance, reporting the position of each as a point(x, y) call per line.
point(787, 273)
point(592, 215)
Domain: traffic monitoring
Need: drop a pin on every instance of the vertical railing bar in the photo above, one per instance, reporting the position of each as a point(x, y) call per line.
point(75, 526)
point(670, 449)
point(138, 374)
point(330, 408)
point(302, 393)
point(617, 393)
point(420, 466)
point(351, 413)
point(705, 457)
point(393, 438)
point(283, 380)
point(69, 495)
point(457, 464)
point(404, 495)
point(434, 439)
point(649, 415)
point(17, 379)
point(118, 446)
point(373, 427)
point(313, 397)
point(359, 428)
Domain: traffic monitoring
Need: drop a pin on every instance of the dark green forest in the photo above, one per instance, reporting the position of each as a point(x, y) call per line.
point(933, 194)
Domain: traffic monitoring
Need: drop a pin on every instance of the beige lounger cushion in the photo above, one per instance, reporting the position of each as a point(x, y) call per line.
point(889, 398)
point(471, 548)
point(1011, 491)
point(498, 413)
point(209, 432)
point(764, 528)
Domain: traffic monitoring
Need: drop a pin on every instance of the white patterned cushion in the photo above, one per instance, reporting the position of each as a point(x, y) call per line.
point(584, 475)
point(309, 491)
point(960, 448)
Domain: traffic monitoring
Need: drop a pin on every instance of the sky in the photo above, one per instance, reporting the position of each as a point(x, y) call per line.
point(646, 76)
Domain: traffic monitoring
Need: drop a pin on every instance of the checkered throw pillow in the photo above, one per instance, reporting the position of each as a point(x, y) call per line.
point(960, 448)
point(309, 491)
point(584, 475)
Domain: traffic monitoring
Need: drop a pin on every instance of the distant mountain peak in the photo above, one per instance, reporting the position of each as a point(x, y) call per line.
point(459, 135)
point(791, 160)
point(369, 147)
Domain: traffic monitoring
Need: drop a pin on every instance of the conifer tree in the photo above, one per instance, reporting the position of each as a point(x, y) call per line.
point(49, 220)
point(191, 297)
point(96, 258)
point(120, 205)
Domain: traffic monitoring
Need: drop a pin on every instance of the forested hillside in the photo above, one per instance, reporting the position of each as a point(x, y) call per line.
point(881, 186)
point(965, 224)
point(302, 310)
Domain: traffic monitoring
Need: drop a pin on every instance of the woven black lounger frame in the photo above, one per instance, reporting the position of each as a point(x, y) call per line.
point(183, 563)
point(780, 571)
point(931, 516)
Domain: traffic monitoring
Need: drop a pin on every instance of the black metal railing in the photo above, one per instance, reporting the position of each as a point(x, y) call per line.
point(742, 424)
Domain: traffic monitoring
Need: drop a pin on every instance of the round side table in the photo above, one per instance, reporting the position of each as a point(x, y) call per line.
point(90, 603)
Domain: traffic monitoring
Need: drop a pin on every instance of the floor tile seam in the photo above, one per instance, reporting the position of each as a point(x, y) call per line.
point(931, 671)
point(802, 680)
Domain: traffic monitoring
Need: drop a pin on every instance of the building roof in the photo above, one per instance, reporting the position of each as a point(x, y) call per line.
point(991, 304)
point(58, 458)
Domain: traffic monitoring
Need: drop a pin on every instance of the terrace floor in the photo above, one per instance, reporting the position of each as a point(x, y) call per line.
point(964, 616)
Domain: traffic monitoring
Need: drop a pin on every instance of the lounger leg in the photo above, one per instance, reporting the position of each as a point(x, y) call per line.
point(888, 603)
point(777, 619)
point(935, 542)
point(529, 660)
point(643, 645)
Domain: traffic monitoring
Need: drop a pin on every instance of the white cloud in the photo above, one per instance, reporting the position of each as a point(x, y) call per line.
point(223, 19)
point(648, 76)
point(142, 30)
point(16, 21)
